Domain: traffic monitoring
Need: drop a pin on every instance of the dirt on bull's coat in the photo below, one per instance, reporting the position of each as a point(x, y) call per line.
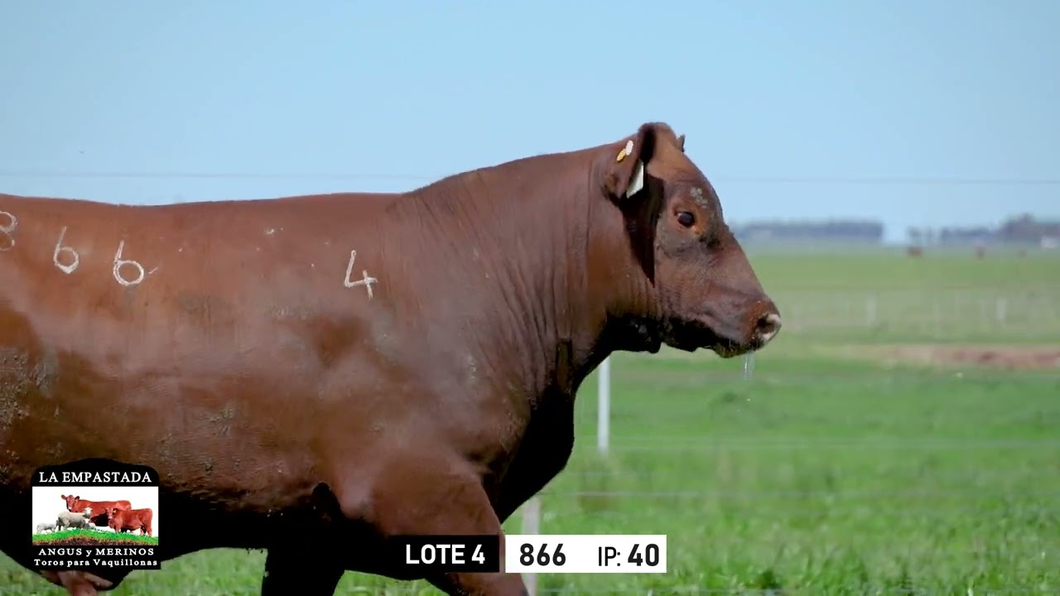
point(1005, 357)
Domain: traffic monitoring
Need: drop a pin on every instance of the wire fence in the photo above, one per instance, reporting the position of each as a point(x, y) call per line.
point(911, 444)
point(906, 482)
point(883, 314)
point(745, 178)
point(925, 312)
point(699, 591)
point(787, 515)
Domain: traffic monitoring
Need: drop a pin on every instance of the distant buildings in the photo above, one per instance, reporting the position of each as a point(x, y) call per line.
point(1024, 230)
point(844, 231)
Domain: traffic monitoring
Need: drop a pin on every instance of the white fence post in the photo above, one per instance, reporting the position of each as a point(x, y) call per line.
point(870, 310)
point(531, 525)
point(936, 316)
point(603, 406)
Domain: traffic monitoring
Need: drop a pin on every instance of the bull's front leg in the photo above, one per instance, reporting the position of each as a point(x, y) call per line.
point(294, 568)
point(425, 495)
point(544, 453)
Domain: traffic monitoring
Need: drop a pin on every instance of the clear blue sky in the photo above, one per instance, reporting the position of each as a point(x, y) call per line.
point(394, 94)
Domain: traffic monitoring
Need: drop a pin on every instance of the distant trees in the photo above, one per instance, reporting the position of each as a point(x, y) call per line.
point(830, 230)
point(1022, 229)
point(1027, 229)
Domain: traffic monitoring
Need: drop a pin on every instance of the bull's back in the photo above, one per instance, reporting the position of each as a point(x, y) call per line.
point(128, 515)
point(99, 506)
point(112, 257)
point(144, 514)
point(133, 519)
point(140, 333)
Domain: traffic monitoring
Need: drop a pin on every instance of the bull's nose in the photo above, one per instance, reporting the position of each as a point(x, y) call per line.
point(767, 327)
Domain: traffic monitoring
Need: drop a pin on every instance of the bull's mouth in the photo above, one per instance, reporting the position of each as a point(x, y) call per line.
point(690, 335)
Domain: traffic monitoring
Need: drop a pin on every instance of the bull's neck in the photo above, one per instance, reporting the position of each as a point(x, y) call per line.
point(544, 319)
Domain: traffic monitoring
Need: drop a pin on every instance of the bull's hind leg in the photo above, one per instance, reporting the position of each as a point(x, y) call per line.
point(290, 571)
point(419, 496)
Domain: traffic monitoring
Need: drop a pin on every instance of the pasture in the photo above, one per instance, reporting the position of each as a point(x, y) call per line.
point(900, 436)
point(94, 537)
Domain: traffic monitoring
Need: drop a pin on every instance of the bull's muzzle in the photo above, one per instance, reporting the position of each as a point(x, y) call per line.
point(766, 328)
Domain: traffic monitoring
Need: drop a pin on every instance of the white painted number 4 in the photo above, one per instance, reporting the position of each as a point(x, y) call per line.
point(478, 556)
point(364, 281)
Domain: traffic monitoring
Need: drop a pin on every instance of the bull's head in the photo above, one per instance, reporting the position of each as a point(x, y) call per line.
point(70, 500)
point(699, 288)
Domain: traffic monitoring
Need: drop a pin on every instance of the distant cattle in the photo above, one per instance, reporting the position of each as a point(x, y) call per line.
point(77, 504)
point(122, 520)
point(318, 375)
point(915, 251)
point(67, 519)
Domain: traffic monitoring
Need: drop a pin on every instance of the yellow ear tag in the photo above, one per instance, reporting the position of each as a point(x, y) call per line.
point(627, 150)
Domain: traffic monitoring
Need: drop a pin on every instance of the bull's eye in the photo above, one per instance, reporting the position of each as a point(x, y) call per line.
point(686, 219)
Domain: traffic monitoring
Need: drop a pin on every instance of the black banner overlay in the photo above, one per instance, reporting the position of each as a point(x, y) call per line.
point(95, 514)
point(446, 553)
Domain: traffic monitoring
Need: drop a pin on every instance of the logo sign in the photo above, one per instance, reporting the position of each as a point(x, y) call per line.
point(95, 514)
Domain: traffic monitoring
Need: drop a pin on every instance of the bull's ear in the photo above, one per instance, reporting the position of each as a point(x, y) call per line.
point(681, 143)
point(625, 172)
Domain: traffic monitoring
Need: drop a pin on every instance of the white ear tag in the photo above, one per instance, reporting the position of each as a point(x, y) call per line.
point(637, 182)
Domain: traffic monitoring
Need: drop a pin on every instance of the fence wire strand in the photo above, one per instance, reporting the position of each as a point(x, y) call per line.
point(736, 178)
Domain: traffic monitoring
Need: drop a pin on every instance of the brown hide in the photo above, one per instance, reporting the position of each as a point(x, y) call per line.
point(339, 369)
point(121, 520)
point(99, 508)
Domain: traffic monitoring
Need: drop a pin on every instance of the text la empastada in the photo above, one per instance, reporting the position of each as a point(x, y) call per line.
point(95, 477)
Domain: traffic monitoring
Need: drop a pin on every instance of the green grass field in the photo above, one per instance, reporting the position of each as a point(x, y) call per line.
point(55, 537)
point(833, 470)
